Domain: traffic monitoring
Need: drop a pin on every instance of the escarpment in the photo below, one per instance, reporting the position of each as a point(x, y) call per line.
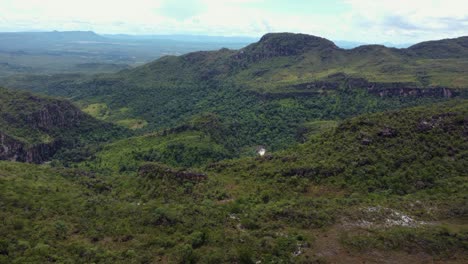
point(34, 128)
point(15, 150)
point(58, 115)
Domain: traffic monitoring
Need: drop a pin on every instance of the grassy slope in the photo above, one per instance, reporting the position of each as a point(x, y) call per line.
point(412, 161)
point(279, 60)
point(184, 149)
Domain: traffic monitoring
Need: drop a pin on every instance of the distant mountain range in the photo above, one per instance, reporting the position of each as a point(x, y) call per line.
point(90, 53)
point(87, 52)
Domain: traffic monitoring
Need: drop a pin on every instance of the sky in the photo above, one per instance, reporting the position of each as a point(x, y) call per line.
point(369, 21)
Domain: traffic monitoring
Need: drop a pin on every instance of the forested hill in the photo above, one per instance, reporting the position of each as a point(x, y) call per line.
point(366, 157)
point(35, 128)
point(268, 91)
point(402, 199)
point(281, 59)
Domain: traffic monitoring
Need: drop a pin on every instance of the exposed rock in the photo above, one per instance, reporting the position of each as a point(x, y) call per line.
point(58, 115)
point(335, 81)
point(366, 141)
point(15, 150)
point(387, 132)
point(421, 185)
point(34, 128)
point(61, 114)
point(383, 217)
point(434, 121)
point(425, 125)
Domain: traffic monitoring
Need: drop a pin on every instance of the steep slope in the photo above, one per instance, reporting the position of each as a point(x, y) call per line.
point(33, 129)
point(381, 187)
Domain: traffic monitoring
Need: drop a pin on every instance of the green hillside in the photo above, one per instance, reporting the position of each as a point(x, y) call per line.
point(366, 157)
point(266, 92)
point(388, 185)
point(34, 128)
point(186, 148)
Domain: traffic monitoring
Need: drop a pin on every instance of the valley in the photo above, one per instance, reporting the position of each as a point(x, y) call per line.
point(365, 162)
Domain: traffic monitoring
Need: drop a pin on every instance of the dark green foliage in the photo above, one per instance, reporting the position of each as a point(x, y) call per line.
point(264, 93)
point(399, 152)
point(171, 196)
point(251, 209)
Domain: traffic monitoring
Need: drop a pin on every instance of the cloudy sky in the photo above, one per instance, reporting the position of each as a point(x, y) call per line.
point(377, 21)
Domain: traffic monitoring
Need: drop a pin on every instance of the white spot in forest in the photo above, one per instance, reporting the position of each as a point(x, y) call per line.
point(261, 151)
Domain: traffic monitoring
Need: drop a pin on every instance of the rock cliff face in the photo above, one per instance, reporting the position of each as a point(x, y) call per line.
point(338, 81)
point(10, 148)
point(34, 128)
point(15, 150)
point(61, 114)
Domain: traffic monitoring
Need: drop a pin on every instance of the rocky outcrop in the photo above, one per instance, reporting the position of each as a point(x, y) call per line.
point(33, 128)
point(391, 89)
point(440, 121)
point(15, 150)
point(10, 149)
point(414, 92)
point(58, 115)
point(53, 116)
point(387, 132)
point(403, 89)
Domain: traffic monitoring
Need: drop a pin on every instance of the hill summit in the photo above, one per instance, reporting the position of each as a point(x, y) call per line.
point(286, 44)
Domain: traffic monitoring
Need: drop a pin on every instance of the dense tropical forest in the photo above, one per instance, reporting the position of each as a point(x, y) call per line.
point(366, 157)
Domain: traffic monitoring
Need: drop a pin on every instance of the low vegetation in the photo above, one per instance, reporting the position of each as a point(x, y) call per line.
point(271, 209)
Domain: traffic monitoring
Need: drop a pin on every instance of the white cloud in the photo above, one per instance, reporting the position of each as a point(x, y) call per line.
point(364, 20)
point(405, 20)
